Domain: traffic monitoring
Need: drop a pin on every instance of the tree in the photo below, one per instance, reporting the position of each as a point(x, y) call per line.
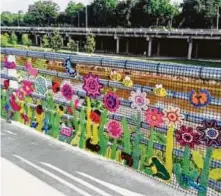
point(123, 13)
point(4, 40)
point(25, 40)
point(56, 41)
point(72, 45)
point(90, 44)
point(46, 41)
point(13, 39)
point(42, 13)
point(104, 8)
point(72, 11)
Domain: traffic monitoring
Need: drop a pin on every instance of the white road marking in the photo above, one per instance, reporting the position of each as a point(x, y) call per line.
point(11, 138)
point(16, 181)
point(53, 176)
point(10, 132)
point(115, 188)
point(94, 188)
point(2, 134)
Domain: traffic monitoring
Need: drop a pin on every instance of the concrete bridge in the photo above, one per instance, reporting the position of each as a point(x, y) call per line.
point(202, 43)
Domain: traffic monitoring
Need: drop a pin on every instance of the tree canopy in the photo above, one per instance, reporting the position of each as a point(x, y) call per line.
point(120, 13)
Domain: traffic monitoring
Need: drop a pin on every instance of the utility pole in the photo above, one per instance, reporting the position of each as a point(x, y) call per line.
point(217, 18)
point(78, 19)
point(86, 18)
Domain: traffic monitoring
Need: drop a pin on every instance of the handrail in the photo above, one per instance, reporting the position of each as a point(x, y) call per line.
point(120, 30)
point(200, 72)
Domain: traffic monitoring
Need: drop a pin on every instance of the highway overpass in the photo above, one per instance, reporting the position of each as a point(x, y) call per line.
point(202, 43)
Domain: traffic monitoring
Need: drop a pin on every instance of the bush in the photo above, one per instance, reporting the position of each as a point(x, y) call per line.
point(4, 40)
point(46, 41)
point(13, 39)
point(25, 40)
point(72, 45)
point(90, 44)
point(56, 41)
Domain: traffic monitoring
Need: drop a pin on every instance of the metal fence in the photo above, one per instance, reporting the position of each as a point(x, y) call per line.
point(163, 120)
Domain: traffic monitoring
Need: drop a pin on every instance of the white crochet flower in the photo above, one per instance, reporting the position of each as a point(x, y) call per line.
point(139, 100)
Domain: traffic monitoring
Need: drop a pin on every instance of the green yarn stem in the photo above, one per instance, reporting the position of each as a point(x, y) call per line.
point(205, 172)
point(103, 140)
point(126, 139)
point(83, 129)
point(114, 150)
point(150, 145)
point(186, 161)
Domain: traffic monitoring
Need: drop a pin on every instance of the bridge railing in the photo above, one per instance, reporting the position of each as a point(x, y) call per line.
point(120, 30)
point(143, 115)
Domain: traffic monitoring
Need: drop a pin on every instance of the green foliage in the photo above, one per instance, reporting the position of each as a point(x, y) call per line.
point(42, 13)
point(25, 40)
point(90, 44)
point(72, 45)
point(4, 39)
point(13, 39)
point(56, 41)
point(46, 41)
point(71, 12)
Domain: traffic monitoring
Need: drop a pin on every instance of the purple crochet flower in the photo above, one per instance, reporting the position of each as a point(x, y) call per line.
point(111, 102)
point(67, 91)
point(210, 133)
point(92, 85)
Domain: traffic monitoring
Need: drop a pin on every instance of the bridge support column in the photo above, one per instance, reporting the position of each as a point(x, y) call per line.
point(41, 45)
point(117, 44)
point(149, 39)
point(190, 48)
point(102, 43)
point(36, 40)
point(158, 48)
point(196, 51)
point(127, 46)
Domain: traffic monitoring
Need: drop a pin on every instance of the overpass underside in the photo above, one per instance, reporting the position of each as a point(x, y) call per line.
point(163, 43)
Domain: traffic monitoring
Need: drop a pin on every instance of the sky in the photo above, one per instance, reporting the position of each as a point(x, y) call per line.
point(15, 5)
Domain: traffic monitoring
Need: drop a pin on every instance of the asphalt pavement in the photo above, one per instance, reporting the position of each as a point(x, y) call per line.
point(35, 164)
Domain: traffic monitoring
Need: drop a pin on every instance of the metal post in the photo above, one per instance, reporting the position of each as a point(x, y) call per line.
point(217, 18)
point(78, 19)
point(86, 18)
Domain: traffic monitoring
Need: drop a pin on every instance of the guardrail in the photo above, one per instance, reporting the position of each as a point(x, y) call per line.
point(210, 32)
point(140, 142)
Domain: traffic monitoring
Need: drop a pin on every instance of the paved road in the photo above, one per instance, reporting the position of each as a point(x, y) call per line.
point(35, 164)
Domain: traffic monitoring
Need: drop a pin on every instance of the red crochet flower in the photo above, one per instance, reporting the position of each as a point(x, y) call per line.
point(39, 109)
point(55, 87)
point(210, 133)
point(186, 136)
point(95, 116)
point(6, 84)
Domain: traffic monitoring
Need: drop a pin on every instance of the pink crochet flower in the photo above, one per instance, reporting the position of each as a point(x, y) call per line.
point(154, 117)
point(92, 85)
point(27, 87)
point(20, 94)
point(114, 129)
point(111, 102)
point(67, 91)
